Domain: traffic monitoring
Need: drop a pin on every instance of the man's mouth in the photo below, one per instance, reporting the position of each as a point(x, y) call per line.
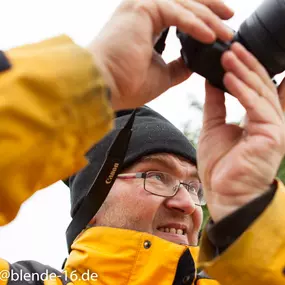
point(173, 231)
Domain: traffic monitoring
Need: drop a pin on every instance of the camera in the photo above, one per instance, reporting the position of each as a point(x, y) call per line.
point(262, 33)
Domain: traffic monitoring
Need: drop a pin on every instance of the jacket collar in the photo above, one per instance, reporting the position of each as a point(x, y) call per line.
point(116, 256)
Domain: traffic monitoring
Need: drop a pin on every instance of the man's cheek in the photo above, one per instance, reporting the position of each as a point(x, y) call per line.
point(147, 204)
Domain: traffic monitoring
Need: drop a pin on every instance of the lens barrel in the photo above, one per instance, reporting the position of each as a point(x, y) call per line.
point(263, 34)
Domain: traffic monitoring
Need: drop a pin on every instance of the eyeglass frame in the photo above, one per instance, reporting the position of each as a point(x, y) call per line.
point(177, 187)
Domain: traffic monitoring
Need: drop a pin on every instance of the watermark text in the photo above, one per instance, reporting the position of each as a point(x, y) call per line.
point(21, 275)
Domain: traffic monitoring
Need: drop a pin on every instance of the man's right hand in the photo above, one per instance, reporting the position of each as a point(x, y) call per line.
point(124, 52)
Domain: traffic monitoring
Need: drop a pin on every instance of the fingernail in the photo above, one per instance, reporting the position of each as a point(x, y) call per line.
point(230, 32)
point(238, 46)
point(212, 37)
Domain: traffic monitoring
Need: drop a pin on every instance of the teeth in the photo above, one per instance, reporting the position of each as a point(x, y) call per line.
point(180, 232)
point(172, 231)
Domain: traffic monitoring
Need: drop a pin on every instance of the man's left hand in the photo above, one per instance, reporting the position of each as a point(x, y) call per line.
point(238, 164)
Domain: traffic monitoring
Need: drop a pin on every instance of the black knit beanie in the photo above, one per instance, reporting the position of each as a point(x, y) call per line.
point(152, 134)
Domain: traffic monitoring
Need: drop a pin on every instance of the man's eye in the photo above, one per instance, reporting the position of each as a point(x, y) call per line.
point(156, 176)
point(159, 177)
point(193, 187)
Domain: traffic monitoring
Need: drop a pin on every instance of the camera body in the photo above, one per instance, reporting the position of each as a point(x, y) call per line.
point(263, 34)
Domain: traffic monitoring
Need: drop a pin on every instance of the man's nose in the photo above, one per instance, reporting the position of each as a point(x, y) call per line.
point(181, 202)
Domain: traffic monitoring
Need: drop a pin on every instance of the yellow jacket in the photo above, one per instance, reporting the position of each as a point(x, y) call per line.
point(53, 108)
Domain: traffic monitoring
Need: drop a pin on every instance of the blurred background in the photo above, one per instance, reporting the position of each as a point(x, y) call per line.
point(38, 232)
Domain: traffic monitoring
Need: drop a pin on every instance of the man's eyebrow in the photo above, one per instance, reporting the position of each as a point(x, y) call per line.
point(167, 163)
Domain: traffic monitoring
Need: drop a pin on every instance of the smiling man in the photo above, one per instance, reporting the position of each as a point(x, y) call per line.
point(149, 196)
point(156, 197)
point(147, 229)
point(158, 191)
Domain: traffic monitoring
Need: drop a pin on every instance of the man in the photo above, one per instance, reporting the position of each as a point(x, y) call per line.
point(142, 232)
point(148, 255)
point(145, 201)
point(146, 231)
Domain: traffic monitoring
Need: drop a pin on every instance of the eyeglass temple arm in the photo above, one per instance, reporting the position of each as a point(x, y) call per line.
point(132, 175)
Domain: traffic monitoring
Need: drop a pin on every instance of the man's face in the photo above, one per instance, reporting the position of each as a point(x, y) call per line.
point(129, 206)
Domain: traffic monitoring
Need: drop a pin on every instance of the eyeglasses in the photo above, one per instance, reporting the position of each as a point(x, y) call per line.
point(166, 185)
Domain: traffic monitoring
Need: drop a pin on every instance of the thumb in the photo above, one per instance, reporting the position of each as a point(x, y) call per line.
point(178, 72)
point(162, 76)
point(214, 108)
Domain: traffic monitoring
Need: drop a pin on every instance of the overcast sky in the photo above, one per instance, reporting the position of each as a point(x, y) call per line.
point(38, 232)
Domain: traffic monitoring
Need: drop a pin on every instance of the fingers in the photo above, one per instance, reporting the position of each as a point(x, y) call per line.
point(189, 16)
point(250, 71)
point(218, 7)
point(259, 110)
point(253, 64)
point(214, 108)
point(209, 18)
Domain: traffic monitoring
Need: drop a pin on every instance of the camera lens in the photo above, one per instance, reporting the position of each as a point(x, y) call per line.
point(263, 33)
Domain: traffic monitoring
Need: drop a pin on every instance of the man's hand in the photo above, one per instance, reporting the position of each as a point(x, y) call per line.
point(124, 51)
point(238, 164)
point(281, 93)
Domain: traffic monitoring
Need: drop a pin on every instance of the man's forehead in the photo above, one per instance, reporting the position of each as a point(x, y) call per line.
point(165, 157)
point(171, 161)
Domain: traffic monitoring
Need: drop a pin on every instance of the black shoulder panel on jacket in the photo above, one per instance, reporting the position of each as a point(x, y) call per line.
point(30, 272)
point(4, 62)
point(185, 272)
